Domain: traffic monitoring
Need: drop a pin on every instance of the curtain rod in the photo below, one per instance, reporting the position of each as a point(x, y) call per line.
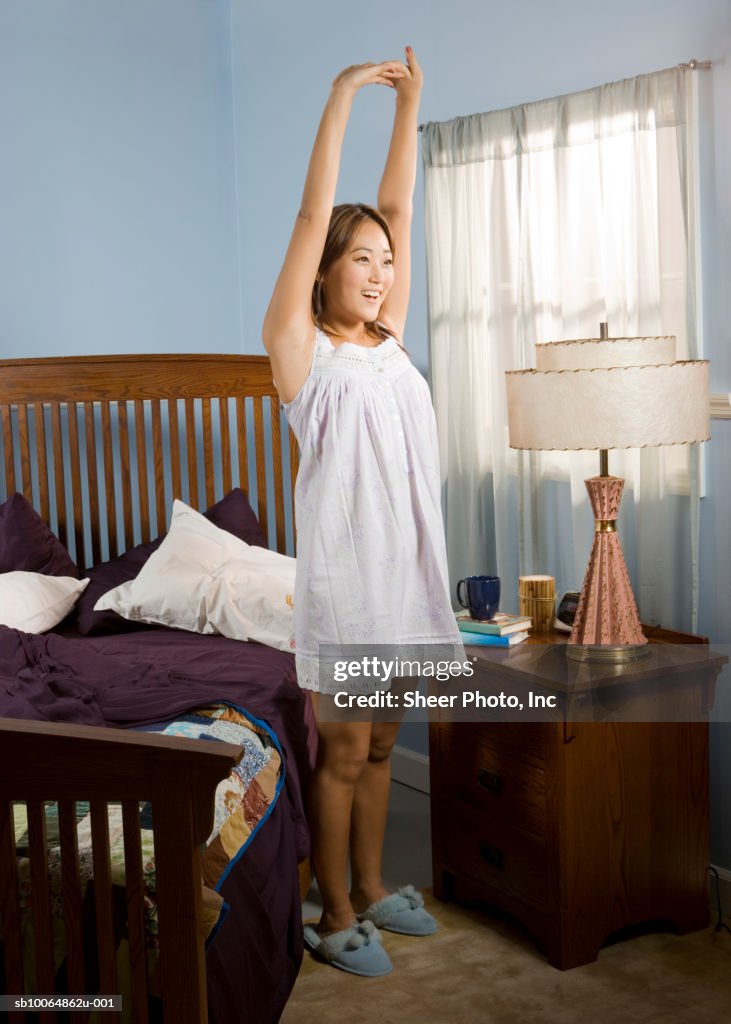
point(697, 65)
point(692, 65)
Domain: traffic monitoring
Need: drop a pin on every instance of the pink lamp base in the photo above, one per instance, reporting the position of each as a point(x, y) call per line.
point(607, 624)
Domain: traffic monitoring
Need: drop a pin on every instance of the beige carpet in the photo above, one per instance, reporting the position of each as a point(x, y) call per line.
point(482, 969)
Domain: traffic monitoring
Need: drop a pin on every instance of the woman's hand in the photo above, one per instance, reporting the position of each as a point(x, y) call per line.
point(389, 72)
point(411, 81)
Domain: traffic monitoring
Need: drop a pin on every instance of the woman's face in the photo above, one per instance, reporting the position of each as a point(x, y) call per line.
point(357, 283)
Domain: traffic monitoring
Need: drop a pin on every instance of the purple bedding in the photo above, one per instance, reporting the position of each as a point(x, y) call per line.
point(133, 679)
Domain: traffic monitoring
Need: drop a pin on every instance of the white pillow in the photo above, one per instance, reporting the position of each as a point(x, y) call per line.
point(205, 580)
point(34, 603)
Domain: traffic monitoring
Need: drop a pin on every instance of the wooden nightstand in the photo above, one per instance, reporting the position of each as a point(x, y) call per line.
point(579, 828)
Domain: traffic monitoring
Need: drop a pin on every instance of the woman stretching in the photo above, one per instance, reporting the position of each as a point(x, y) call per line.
point(371, 557)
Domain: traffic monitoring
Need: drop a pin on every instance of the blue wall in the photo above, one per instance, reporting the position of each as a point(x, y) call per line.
point(117, 178)
point(154, 153)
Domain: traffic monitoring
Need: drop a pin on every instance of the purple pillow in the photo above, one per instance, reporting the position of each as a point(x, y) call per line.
point(232, 513)
point(27, 544)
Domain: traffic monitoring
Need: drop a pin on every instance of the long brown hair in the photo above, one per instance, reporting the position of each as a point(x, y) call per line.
point(344, 223)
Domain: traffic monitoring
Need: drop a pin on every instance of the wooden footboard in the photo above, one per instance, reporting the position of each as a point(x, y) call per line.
point(42, 762)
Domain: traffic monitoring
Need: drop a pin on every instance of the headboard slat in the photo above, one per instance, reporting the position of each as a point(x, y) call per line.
point(8, 448)
point(275, 419)
point(124, 465)
point(141, 489)
point(225, 432)
point(208, 451)
point(24, 443)
point(75, 460)
point(58, 472)
point(174, 448)
point(191, 451)
point(92, 481)
point(158, 464)
point(243, 444)
point(41, 460)
point(109, 502)
point(261, 483)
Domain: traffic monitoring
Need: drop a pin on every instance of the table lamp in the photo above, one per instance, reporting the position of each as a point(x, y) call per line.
point(602, 393)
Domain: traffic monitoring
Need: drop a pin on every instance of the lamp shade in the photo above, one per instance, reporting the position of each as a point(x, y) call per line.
point(608, 393)
point(595, 353)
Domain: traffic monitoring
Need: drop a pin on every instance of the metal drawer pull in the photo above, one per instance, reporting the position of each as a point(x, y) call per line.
point(492, 855)
point(490, 781)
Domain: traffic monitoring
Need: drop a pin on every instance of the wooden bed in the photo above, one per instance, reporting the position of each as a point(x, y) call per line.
point(101, 446)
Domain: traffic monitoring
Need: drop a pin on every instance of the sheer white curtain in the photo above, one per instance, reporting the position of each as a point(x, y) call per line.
point(542, 221)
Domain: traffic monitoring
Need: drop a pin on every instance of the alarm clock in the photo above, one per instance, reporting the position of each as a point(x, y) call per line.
point(566, 613)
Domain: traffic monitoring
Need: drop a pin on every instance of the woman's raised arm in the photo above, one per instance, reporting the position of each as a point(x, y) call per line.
point(396, 191)
point(288, 330)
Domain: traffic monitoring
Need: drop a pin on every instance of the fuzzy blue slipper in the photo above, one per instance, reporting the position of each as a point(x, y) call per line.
point(357, 950)
point(402, 912)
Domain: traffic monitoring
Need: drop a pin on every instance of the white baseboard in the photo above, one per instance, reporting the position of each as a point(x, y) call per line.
point(724, 889)
point(410, 768)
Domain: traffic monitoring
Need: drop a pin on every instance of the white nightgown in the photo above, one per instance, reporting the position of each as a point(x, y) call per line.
point(371, 554)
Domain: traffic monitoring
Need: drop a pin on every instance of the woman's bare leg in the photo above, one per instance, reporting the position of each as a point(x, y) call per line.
point(368, 818)
point(341, 757)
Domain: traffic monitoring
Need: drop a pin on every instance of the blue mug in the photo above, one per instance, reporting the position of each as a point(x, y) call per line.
point(483, 596)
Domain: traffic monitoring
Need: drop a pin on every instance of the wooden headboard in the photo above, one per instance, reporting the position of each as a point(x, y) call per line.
point(101, 445)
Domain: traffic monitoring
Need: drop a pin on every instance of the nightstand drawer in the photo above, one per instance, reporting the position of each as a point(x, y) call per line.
point(494, 854)
point(492, 781)
point(524, 740)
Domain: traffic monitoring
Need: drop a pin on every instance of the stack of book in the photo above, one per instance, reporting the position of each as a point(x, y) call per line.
point(502, 631)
